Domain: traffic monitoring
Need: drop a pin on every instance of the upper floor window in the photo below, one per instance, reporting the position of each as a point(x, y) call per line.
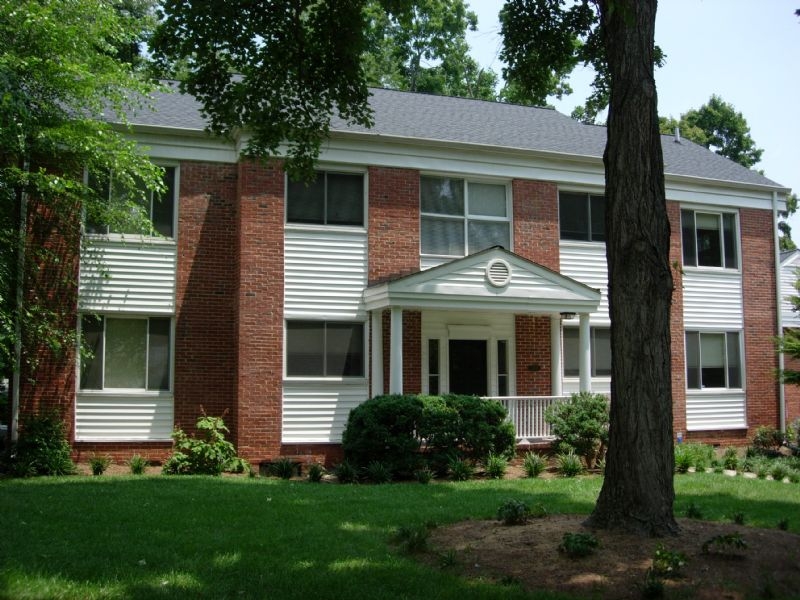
point(324, 349)
point(600, 351)
point(709, 239)
point(460, 217)
point(158, 208)
point(331, 199)
point(126, 353)
point(713, 360)
point(582, 216)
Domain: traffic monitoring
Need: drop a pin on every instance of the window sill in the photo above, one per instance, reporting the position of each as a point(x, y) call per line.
point(130, 238)
point(715, 391)
point(715, 270)
point(326, 380)
point(127, 392)
point(305, 227)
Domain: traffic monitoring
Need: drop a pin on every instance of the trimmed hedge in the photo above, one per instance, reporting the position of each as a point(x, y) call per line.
point(391, 429)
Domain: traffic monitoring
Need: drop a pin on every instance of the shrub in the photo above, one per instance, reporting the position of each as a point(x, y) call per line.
point(284, 468)
point(783, 524)
point(209, 454)
point(42, 447)
point(460, 469)
point(581, 424)
point(577, 545)
point(496, 466)
point(767, 440)
point(728, 544)
point(423, 475)
point(413, 538)
point(730, 459)
point(779, 471)
point(683, 459)
point(137, 464)
point(569, 464)
point(378, 472)
point(738, 518)
point(534, 464)
point(345, 472)
point(693, 511)
point(315, 472)
point(701, 455)
point(465, 426)
point(384, 429)
point(99, 464)
point(793, 431)
point(667, 563)
point(513, 512)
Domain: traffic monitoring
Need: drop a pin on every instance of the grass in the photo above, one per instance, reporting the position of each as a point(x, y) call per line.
point(204, 537)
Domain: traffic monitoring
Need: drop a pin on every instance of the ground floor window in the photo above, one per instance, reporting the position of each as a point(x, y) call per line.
point(600, 349)
point(713, 360)
point(324, 349)
point(126, 353)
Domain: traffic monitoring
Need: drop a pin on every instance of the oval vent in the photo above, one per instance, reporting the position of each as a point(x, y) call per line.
point(498, 272)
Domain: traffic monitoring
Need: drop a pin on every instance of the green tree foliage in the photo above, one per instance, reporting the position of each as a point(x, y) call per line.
point(717, 125)
point(425, 50)
point(62, 79)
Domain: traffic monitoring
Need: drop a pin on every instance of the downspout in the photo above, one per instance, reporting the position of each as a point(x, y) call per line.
point(781, 362)
point(15, 379)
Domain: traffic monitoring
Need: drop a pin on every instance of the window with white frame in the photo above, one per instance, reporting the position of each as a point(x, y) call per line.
point(600, 350)
point(159, 208)
point(713, 360)
point(581, 216)
point(709, 239)
point(126, 353)
point(331, 199)
point(460, 217)
point(324, 349)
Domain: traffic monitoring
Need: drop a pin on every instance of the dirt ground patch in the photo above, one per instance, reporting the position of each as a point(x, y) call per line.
point(527, 554)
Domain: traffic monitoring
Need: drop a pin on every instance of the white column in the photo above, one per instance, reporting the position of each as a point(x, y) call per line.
point(396, 352)
point(555, 355)
point(584, 354)
point(377, 352)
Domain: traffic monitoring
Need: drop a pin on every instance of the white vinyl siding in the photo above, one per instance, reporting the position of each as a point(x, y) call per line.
point(325, 274)
point(715, 409)
point(789, 276)
point(114, 417)
point(712, 300)
point(586, 262)
point(130, 277)
point(318, 411)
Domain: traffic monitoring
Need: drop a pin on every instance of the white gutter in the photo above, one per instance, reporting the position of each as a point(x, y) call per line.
point(781, 363)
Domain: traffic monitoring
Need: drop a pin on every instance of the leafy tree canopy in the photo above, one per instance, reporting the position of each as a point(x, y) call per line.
point(719, 126)
point(62, 78)
point(425, 49)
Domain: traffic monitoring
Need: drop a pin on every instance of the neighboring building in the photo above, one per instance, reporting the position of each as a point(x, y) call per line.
point(457, 246)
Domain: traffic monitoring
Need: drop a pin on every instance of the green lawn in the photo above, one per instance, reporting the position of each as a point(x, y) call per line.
point(203, 537)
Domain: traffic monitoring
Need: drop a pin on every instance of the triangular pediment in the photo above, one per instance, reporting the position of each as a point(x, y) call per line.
point(494, 279)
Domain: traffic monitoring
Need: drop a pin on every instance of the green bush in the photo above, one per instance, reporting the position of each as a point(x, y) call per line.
point(209, 454)
point(534, 464)
point(384, 429)
point(580, 424)
point(284, 468)
point(378, 472)
point(668, 563)
point(137, 464)
point(513, 512)
point(41, 449)
point(423, 475)
point(767, 440)
point(577, 545)
point(465, 426)
point(460, 469)
point(569, 464)
point(730, 459)
point(99, 464)
point(315, 472)
point(345, 472)
point(496, 466)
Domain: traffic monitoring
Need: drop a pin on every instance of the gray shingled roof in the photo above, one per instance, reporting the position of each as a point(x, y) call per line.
point(460, 120)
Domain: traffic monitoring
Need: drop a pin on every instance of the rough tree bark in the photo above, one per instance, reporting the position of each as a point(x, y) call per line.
point(637, 493)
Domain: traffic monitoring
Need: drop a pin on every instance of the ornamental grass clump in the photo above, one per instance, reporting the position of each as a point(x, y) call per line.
point(99, 464)
point(569, 464)
point(137, 464)
point(534, 464)
point(496, 466)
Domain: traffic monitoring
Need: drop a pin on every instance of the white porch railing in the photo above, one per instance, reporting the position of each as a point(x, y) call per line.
point(527, 415)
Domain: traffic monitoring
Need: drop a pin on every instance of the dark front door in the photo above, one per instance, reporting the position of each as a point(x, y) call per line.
point(468, 367)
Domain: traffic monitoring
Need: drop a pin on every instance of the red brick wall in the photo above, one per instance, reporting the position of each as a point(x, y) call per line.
point(676, 322)
point(536, 233)
point(533, 355)
point(760, 319)
point(393, 223)
point(258, 262)
point(47, 378)
point(205, 336)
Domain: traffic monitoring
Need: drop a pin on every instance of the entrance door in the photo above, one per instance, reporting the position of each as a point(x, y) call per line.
point(468, 367)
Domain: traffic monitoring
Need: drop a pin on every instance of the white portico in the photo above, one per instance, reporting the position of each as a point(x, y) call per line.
point(468, 307)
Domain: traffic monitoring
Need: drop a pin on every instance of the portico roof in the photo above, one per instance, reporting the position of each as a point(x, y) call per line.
point(493, 279)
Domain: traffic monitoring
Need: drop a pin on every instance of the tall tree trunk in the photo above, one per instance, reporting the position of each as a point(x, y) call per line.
point(637, 493)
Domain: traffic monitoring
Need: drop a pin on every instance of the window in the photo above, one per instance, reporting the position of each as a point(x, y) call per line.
point(460, 217)
point(433, 367)
point(709, 239)
point(126, 353)
point(713, 360)
point(331, 199)
point(582, 217)
point(324, 349)
point(600, 348)
point(159, 208)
